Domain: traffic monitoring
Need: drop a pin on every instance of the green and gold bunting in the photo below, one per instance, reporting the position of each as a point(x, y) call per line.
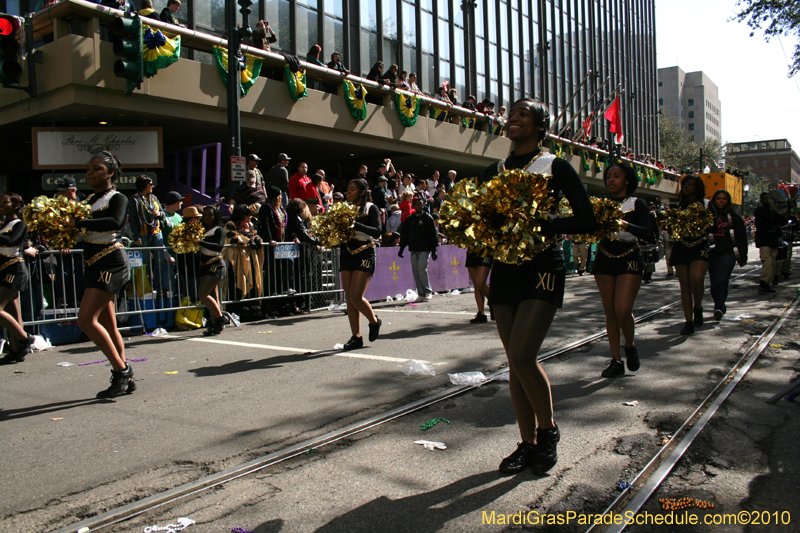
point(248, 76)
point(558, 150)
point(407, 105)
point(159, 51)
point(296, 81)
point(468, 122)
point(354, 95)
point(649, 176)
point(439, 115)
point(585, 161)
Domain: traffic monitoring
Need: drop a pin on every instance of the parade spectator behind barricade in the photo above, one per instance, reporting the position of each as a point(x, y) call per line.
point(338, 198)
point(245, 255)
point(173, 202)
point(313, 206)
point(406, 208)
point(379, 196)
point(147, 10)
point(402, 81)
point(326, 189)
point(187, 264)
point(390, 239)
point(419, 235)
point(433, 183)
point(768, 236)
point(421, 191)
point(272, 221)
point(395, 219)
point(66, 275)
point(392, 194)
point(278, 177)
point(168, 13)
point(438, 200)
point(297, 230)
point(386, 169)
point(248, 194)
point(449, 180)
point(252, 164)
point(390, 77)
point(407, 185)
point(314, 194)
point(729, 247)
point(362, 172)
point(298, 182)
point(145, 216)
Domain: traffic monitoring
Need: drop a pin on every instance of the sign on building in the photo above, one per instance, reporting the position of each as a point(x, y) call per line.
point(238, 167)
point(71, 148)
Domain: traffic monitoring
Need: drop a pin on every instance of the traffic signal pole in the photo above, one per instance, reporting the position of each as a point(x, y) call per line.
point(236, 64)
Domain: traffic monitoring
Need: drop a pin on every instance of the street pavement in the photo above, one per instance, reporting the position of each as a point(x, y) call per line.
point(204, 405)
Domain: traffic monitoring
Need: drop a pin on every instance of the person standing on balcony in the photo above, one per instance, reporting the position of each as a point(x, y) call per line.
point(145, 216)
point(336, 63)
point(278, 177)
point(147, 10)
point(263, 36)
point(168, 13)
point(106, 269)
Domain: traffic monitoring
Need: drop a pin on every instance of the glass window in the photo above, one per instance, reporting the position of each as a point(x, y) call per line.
point(660, 101)
point(480, 56)
point(444, 71)
point(503, 17)
point(279, 16)
point(661, 84)
point(335, 8)
point(515, 31)
point(444, 9)
point(410, 59)
point(478, 18)
point(691, 101)
point(427, 32)
point(492, 21)
point(210, 14)
point(461, 84)
point(409, 25)
point(334, 38)
point(444, 39)
point(308, 3)
point(458, 43)
point(369, 51)
point(691, 113)
point(427, 5)
point(506, 73)
point(390, 19)
point(369, 16)
point(481, 89)
point(390, 53)
point(458, 14)
point(307, 29)
point(691, 126)
point(493, 61)
point(426, 76)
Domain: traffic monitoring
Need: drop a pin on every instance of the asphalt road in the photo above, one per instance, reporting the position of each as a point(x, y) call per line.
point(204, 405)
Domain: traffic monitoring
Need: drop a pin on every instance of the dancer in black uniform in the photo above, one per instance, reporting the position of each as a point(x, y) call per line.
point(618, 267)
point(357, 263)
point(13, 277)
point(525, 297)
point(212, 268)
point(690, 259)
point(106, 269)
point(478, 268)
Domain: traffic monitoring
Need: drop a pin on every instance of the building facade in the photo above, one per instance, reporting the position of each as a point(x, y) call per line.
point(692, 98)
point(772, 161)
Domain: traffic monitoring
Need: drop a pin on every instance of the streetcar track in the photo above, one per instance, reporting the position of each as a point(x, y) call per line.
point(630, 501)
point(144, 505)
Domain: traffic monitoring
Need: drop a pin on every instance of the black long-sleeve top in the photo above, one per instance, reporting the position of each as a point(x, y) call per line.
point(723, 244)
point(296, 228)
point(369, 223)
point(112, 218)
point(419, 233)
point(638, 220)
point(268, 223)
point(15, 237)
point(214, 242)
point(768, 223)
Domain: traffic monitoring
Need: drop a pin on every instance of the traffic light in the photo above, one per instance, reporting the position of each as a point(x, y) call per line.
point(10, 66)
point(129, 46)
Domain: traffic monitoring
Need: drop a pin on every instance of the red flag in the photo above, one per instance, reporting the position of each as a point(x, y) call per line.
point(587, 127)
point(614, 116)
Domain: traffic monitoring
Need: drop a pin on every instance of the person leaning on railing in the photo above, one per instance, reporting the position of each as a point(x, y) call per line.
point(245, 256)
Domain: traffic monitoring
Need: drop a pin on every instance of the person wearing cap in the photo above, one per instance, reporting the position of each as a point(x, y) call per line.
point(146, 216)
point(252, 164)
point(249, 194)
point(272, 218)
point(68, 288)
point(66, 187)
point(187, 263)
point(278, 177)
point(172, 205)
point(379, 192)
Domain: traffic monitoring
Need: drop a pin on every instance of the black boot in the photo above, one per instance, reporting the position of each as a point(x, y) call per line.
point(545, 455)
point(121, 383)
point(215, 327)
point(25, 346)
point(698, 317)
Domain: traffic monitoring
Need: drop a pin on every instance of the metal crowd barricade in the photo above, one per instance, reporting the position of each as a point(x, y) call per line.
point(161, 280)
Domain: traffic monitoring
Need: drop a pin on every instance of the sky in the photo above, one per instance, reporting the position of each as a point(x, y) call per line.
point(759, 102)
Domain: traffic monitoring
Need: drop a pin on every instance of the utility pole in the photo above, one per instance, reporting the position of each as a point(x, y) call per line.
point(236, 64)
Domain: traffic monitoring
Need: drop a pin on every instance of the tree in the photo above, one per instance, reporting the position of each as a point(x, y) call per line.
point(775, 17)
point(679, 149)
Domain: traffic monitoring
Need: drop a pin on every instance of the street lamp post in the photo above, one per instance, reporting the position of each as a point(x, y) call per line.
point(235, 66)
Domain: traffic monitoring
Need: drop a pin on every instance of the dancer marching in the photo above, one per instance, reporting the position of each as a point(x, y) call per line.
point(106, 269)
point(618, 267)
point(357, 263)
point(212, 268)
point(690, 258)
point(478, 268)
point(525, 297)
point(730, 247)
point(13, 277)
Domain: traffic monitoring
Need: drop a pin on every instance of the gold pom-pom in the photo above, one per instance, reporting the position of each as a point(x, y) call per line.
point(690, 223)
point(48, 217)
point(186, 236)
point(608, 215)
point(500, 218)
point(335, 226)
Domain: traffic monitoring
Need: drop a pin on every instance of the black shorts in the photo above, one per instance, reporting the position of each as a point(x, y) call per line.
point(475, 260)
point(616, 266)
point(363, 261)
point(14, 276)
point(110, 273)
point(685, 252)
point(513, 284)
point(215, 270)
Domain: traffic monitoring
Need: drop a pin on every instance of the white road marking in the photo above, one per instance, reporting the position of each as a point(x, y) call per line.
point(353, 355)
point(379, 310)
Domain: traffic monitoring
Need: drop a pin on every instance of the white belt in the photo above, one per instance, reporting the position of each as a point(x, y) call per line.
point(361, 236)
point(625, 236)
point(206, 251)
point(9, 251)
point(100, 238)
